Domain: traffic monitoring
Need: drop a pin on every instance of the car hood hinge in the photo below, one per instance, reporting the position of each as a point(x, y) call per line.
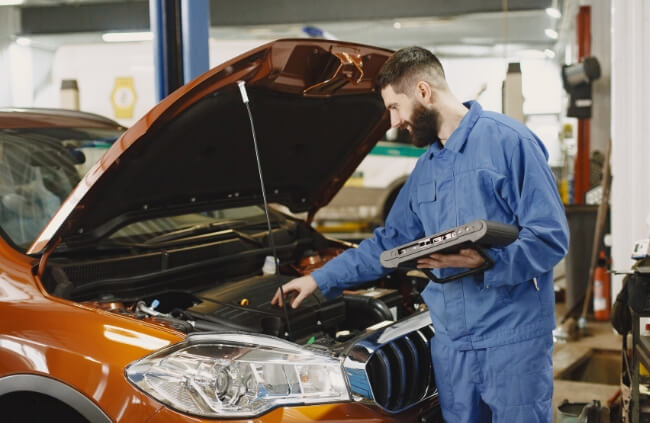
point(46, 254)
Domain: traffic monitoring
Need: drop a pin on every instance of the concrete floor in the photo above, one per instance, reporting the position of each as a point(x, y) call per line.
point(566, 356)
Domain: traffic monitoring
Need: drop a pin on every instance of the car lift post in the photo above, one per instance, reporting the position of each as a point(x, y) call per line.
point(180, 32)
point(195, 18)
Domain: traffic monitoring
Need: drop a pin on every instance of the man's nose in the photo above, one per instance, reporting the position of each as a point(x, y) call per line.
point(395, 120)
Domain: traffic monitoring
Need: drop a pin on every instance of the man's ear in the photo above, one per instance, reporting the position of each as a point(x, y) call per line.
point(423, 92)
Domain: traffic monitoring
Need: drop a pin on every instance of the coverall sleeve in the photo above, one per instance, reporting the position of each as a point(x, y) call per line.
point(361, 264)
point(529, 189)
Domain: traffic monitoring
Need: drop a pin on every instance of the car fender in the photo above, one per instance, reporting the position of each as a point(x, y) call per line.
point(55, 389)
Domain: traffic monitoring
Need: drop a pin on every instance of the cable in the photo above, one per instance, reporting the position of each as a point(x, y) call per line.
point(244, 96)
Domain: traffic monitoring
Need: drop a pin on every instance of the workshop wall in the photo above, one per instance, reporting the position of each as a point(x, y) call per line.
point(116, 80)
point(630, 198)
point(8, 26)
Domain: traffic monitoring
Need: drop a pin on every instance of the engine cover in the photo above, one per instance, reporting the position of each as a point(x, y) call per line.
point(248, 303)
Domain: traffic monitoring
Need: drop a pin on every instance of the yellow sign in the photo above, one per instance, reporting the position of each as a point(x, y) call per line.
point(356, 180)
point(123, 97)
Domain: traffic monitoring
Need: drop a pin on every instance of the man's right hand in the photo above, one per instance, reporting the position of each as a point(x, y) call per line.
point(301, 287)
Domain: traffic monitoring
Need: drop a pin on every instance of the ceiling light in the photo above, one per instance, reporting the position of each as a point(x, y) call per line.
point(551, 33)
point(477, 40)
point(123, 37)
point(553, 12)
point(397, 25)
point(23, 41)
point(11, 2)
point(549, 53)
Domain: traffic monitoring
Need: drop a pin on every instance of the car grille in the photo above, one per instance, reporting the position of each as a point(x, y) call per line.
point(400, 372)
point(396, 373)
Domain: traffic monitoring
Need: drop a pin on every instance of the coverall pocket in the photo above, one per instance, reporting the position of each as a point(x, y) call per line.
point(427, 192)
point(428, 205)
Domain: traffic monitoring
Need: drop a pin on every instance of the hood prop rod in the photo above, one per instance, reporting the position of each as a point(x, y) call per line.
point(244, 97)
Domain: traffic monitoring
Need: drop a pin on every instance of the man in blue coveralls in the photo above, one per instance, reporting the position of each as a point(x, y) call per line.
point(492, 350)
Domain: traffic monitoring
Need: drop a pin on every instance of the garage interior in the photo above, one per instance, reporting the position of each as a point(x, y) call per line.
point(574, 71)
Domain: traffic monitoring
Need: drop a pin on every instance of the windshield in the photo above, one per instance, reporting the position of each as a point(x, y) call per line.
point(39, 167)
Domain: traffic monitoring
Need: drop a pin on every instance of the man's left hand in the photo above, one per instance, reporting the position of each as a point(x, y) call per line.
point(466, 257)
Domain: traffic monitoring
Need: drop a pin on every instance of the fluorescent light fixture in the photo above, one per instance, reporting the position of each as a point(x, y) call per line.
point(549, 53)
point(551, 33)
point(11, 2)
point(553, 12)
point(24, 41)
point(125, 37)
point(478, 40)
point(397, 25)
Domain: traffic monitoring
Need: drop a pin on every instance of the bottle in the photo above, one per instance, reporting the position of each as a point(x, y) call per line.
point(601, 289)
point(269, 266)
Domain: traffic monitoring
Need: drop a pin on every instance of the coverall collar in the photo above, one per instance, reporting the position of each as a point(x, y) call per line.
point(458, 138)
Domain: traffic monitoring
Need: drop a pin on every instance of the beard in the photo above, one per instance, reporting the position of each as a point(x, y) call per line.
point(424, 126)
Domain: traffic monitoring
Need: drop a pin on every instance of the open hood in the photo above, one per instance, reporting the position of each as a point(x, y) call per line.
point(316, 114)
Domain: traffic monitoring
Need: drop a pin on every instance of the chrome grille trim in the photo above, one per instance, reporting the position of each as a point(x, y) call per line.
point(392, 366)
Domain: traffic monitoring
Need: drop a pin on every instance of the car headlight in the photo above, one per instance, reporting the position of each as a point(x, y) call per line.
point(238, 375)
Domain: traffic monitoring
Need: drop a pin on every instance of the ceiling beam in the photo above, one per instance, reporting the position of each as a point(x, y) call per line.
point(85, 17)
point(133, 15)
point(255, 12)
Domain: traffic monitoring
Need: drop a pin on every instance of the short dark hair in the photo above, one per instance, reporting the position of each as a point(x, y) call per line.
point(407, 62)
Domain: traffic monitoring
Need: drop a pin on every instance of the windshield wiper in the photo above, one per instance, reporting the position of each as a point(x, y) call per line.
point(228, 233)
point(201, 228)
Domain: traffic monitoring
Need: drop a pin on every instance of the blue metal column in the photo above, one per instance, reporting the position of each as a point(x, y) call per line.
point(195, 18)
point(165, 22)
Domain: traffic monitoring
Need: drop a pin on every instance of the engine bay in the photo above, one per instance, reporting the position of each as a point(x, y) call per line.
point(218, 285)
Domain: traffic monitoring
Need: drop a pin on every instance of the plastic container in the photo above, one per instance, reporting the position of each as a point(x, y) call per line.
point(269, 266)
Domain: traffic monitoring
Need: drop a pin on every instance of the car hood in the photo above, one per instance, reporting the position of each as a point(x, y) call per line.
point(316, 114)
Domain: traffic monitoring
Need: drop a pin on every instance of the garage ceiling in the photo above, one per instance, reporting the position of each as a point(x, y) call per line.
point(459, 27)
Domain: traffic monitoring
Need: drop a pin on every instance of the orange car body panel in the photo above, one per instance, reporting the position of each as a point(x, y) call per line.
point(85, 348)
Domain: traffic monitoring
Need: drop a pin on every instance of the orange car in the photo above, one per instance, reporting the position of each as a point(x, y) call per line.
point(141, 293)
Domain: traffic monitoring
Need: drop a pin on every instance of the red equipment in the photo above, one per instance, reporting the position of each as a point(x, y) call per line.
point(601, 289)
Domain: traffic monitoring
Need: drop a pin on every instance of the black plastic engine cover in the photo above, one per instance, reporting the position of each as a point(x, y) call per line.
point(248, 303)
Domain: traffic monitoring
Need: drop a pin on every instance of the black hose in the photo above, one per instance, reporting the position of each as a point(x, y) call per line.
point(377, 308)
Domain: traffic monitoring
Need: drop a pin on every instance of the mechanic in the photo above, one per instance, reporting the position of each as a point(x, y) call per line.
point(492, 349)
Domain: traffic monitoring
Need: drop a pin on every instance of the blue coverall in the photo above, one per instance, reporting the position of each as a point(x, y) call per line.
point(493, 332)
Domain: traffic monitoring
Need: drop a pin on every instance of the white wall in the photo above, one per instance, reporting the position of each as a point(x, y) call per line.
point(31, 69)
point(541, 87)
point(630, 200)
point(9, 23)
point(95, 67)
point(38, 74)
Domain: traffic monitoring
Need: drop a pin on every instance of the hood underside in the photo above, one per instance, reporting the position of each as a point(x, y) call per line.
point(316, 114)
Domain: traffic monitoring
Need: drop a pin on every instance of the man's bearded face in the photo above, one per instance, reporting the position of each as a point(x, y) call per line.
point(423, 126)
